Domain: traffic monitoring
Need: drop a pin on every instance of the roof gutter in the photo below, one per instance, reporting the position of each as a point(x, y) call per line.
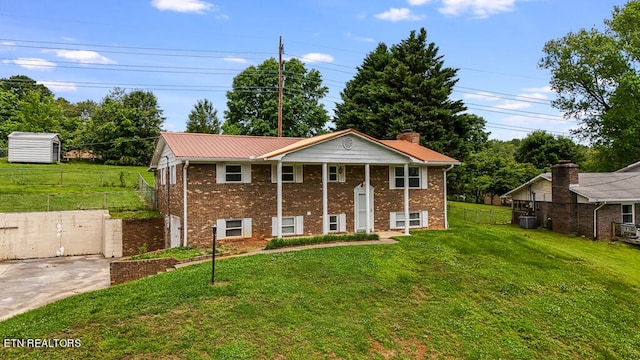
point(595, 219)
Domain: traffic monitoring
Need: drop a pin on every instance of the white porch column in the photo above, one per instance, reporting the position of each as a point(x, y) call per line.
point(279, 199)
point(406, 199)
point(185, 228)
point(325, 201)
point(367, 196)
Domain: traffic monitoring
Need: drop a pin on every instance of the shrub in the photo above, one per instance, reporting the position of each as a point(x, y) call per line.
point(277, 243)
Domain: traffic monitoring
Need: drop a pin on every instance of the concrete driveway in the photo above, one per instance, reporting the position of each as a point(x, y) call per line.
point(31, 283)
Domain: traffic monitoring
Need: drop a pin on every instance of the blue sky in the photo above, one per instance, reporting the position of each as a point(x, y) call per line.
point(185, 50)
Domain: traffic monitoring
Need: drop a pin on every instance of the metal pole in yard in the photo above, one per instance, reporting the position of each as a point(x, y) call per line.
point(213, 255)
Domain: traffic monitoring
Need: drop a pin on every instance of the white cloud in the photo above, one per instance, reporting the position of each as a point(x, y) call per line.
point(418, 2)
point(513, 105)
point(59, 86)
point(360, 39)
point(185, 6)
point(236, 60)
point(479, 8)
point(317, 57)
point(395, 15)
point(66, 38)
point(32, 63)
point(84, 56)
point(7, 43)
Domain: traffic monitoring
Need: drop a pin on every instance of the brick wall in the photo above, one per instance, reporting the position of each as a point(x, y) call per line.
point(129, 270)
point(137, 232)
point(209, 201)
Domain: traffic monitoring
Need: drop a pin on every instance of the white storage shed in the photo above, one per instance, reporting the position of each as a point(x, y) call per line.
point(27, 147)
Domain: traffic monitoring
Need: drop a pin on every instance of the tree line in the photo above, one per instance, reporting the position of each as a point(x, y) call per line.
point(405, 86)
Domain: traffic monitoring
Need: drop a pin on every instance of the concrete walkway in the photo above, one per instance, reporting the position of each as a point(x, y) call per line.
point(32, 283)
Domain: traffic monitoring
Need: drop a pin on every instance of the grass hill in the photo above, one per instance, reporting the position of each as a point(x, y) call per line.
point(71, 186)
point(474, 291)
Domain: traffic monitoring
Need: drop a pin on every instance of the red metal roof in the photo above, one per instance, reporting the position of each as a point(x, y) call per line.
point(418, 151)
point(211, 146)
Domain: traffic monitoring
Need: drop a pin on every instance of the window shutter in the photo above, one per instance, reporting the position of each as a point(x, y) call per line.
point(220, 173)
point(274, 226)
point(299, 225)
point(297, 169)
point(221, 227)
point(392, 220)
point(424, 219)
point(274, 173)
point(246, 228)
point(424, 177)
point(392, 177)
point(246, 173)
point(342, 222)
point(163, 176)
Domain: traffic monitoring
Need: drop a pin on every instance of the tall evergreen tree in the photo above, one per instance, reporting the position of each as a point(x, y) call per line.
point(203, 118)
point(408, 86)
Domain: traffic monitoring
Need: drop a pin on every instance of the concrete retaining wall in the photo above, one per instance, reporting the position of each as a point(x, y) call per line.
point(49, 234)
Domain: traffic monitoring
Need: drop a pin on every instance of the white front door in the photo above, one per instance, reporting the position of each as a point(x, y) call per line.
point(360, 211)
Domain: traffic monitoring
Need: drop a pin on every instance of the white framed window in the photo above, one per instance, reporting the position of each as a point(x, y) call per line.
point(336, 173)
point(417, 219)
point(291, 225)
point(337, 222)
point(290, 173)
point(233, 173)
point(238, 228)
point(628, 213)
point(418, 177)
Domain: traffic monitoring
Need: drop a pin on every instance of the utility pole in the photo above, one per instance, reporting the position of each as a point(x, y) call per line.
point(280, 50)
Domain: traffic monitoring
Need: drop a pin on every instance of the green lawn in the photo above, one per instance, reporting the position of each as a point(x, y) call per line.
point(70, 186)
point(474, 291)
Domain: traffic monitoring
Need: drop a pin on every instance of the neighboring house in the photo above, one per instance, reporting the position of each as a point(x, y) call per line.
point(580, 203)
point(27, 147)
point(252, 187)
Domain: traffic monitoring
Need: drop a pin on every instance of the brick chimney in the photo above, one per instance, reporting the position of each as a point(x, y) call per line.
point(564, 203)
point(409, 136)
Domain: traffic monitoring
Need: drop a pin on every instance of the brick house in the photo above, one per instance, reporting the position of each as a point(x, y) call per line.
point(252, 187)
point(587, 204)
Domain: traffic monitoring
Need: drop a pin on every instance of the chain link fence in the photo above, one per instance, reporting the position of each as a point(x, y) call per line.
point(63, 177)
point(120, 200)
point(148, 192)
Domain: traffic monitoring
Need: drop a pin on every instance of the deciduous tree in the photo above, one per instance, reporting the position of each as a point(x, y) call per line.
point(252, 104)
point(595, 75)
point(203, 118)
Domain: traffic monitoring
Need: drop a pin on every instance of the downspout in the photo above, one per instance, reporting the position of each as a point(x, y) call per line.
point(184, 202)
point(446, 218)
point(167, 238)
point(595, 220)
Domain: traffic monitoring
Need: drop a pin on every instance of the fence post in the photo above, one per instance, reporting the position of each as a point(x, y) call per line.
point(104, 200)
point(48, 202)
point(60, 177)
